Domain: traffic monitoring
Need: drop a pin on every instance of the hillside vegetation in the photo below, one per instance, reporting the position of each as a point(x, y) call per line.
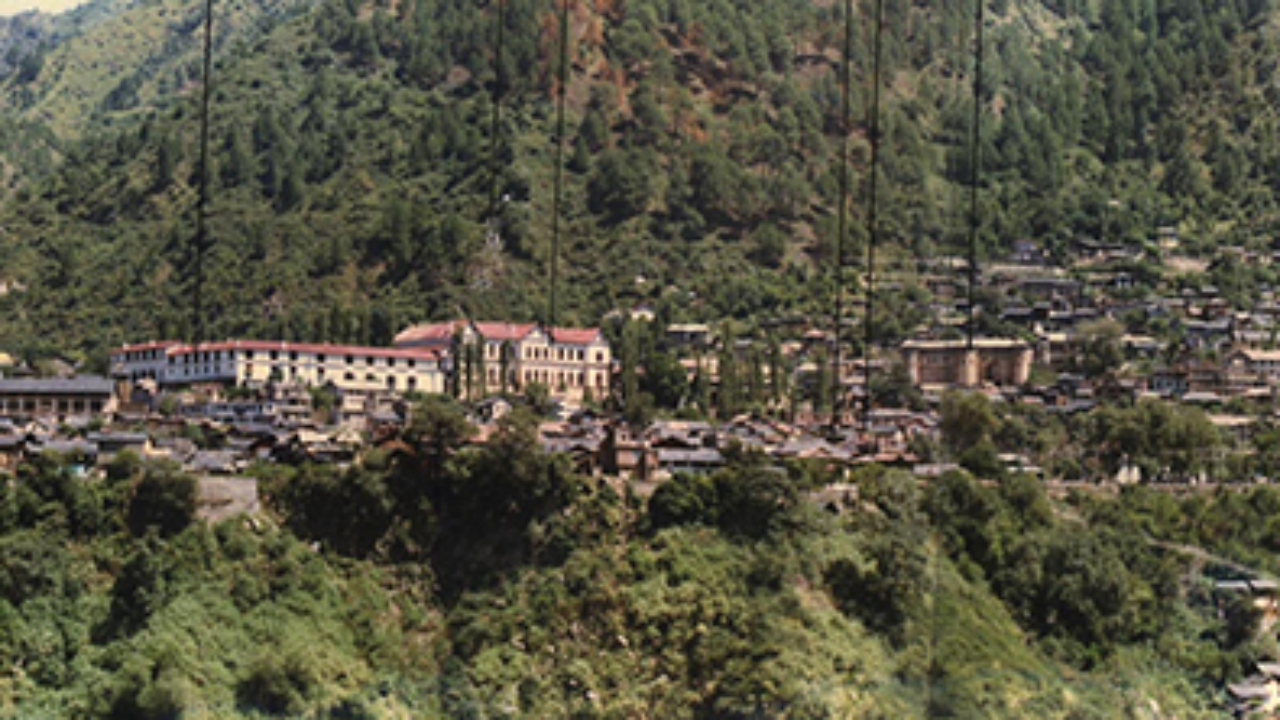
point(403, 589)
point(355, 168)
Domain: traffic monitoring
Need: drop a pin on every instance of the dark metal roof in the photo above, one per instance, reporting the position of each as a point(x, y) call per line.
point(82, 385)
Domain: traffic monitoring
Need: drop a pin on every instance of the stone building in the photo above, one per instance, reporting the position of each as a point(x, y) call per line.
point(953, 363)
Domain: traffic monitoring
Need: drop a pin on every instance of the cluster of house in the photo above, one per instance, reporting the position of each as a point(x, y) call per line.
point(206, 437)
point(602, 446)
point(1042, 309)
point(285, 401)
point(1221, 351)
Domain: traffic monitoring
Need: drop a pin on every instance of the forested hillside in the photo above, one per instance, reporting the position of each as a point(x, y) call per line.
point(28, 144)
point(401, 588)
point(355, 159)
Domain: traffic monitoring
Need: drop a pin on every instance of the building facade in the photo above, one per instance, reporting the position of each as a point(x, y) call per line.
point(351, 369)
point(30, 397)
point(1258, 363)
point(953, 363)
point(493, 357)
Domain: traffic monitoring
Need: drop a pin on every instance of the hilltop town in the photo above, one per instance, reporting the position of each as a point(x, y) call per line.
point(1057, 346)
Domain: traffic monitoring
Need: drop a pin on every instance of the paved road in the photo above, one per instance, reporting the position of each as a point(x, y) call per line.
point(1206, 557)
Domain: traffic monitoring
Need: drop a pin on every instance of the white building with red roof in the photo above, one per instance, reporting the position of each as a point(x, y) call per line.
point(491, 357)
point(350, 368)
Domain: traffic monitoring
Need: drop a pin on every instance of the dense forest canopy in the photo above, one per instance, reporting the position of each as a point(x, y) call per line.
point(355, 158)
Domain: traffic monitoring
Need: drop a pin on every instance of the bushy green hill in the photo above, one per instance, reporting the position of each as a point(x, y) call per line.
point(355, 165)
point(118, 58)
point(402, 588)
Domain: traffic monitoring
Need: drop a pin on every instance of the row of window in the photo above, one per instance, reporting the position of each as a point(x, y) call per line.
point(560, 354)
point(25, 405)
point(140, 355)
point(250, 355)
point(559, 379)
point(493, 351)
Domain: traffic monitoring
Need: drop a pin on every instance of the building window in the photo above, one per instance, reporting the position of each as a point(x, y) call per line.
point(391, 383)
point(349, 376)
point(413, 363)
point(293, 355)
point(275, 355)
point(391, 362)
point(350, 360)
point(320, 358)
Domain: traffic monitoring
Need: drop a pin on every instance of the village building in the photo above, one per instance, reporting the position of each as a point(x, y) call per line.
point(1257, 363)
point(30, 397)
point(493, 357)
point(997, 361)
point(689, 335)
point(255, 363)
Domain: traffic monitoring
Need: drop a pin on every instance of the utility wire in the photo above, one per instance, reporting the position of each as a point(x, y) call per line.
point(975, 167)
point(842, 223)
point(499, 89)
point(562, 90)
point(202, 205)
point(873, 224)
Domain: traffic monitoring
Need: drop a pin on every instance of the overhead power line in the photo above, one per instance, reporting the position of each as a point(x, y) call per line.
point(975, 167)
point(843, 215)
point(873, 220)
point(202, 205)
point(562, 90)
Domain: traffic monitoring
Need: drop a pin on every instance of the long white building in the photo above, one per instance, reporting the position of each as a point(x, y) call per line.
point(255, 362)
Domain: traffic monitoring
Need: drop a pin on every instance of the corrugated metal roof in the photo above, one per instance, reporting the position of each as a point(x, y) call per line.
point(81, 385)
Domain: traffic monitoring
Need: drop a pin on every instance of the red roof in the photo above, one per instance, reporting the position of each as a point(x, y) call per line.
point(503, 331)
point(575, 336)
point(317, 348)
point(142, 347)
point(434, 333)
point(438, 333)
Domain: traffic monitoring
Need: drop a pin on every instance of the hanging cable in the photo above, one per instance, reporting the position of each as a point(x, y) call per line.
point(873, 224)
point(975, 168)
point(202, 204)
point(495, 122)
point(562, 83)
point(842, 222)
